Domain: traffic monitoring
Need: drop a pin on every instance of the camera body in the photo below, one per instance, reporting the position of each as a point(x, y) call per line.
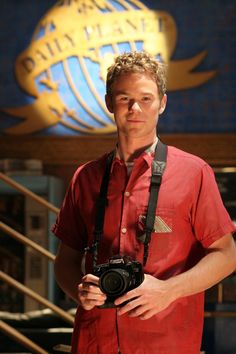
point(118, 276)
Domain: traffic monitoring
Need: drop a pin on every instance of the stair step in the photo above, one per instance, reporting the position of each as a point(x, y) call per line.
point(47, 338)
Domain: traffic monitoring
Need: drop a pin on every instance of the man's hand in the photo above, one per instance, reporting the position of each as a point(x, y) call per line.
point(89, 293)
point(151, 297)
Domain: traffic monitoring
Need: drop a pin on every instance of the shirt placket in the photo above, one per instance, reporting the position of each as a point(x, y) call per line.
point(139, 168)
point(124, 221)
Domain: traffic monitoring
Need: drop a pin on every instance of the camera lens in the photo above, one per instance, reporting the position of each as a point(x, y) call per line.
point(114, 282)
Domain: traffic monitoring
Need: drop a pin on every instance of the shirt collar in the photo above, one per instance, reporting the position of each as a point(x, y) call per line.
point(149, 151)
point(147, 155)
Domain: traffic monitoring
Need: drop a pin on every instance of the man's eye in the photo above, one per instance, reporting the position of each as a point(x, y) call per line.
point(146, 98)
point(121, 99)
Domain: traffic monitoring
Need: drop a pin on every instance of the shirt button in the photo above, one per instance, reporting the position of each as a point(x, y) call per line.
point(123, 230)
point(127, 194)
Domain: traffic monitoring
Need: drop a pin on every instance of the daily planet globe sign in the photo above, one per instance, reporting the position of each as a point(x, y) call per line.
point(63, 70)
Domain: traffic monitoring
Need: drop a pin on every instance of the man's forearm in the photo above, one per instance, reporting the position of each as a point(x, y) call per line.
point(68, 280)
point(67, 268)
point(215, 266)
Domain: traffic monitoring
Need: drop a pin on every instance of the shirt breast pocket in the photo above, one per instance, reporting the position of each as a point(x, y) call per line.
point(162, 235)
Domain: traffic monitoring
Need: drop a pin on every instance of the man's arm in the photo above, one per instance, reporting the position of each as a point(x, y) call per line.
point(83, 289)
point(67, 269)
point(154, 295)
point(219, 262)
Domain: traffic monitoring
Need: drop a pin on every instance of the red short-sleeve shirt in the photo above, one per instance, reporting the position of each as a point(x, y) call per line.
point(190, 216)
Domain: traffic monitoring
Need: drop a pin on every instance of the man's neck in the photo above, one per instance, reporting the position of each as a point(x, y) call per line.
point(130, 148)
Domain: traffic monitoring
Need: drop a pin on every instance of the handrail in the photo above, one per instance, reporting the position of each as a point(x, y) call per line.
point(213, 314)
point(20, 338)
point(26, 241)
point(224, 169)
point(28, 193)
point(22, 288)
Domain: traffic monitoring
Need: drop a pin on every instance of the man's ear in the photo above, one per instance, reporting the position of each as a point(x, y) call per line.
point(109, 104)
point(163, 104)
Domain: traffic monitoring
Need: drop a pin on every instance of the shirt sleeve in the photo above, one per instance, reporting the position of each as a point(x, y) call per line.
point(210, 219)
point(69, 226)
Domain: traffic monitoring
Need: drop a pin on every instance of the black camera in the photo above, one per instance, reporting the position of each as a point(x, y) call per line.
point(118, 276)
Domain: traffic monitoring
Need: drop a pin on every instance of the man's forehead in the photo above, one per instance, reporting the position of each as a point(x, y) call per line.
point(127, 92)
point(141, 83)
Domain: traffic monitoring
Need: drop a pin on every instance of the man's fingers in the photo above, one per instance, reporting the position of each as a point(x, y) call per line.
point(90, 304)
point(139, 311)
point(92, 296)
point(89, 300)
point(90, 278)
point(130, 296)
point(89, 293)
point(129, 307)
point(147, 315)
point(90, 288)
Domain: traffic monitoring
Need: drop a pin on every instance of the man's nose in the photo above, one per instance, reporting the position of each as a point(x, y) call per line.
point(134, 106)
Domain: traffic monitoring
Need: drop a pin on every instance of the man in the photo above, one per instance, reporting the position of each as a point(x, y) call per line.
point(191, 246)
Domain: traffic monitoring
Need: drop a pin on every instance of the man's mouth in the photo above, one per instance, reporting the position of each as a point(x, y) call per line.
point(135, 120)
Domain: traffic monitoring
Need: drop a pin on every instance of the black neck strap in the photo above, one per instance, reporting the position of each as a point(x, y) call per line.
point(102, 202)
point(158, 167)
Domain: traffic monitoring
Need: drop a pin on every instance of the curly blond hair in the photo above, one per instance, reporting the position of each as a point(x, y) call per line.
point(137, 62)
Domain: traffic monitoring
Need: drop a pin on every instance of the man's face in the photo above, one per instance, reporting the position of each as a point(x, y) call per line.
point(136, 104)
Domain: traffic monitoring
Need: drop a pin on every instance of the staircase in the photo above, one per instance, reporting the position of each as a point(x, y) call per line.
point(43, 327)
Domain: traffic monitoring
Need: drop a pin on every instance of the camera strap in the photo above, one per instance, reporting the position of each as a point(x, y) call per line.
point(102, 202)
point(158, 167)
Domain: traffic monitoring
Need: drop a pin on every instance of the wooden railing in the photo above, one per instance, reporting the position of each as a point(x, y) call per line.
point(28, 193)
